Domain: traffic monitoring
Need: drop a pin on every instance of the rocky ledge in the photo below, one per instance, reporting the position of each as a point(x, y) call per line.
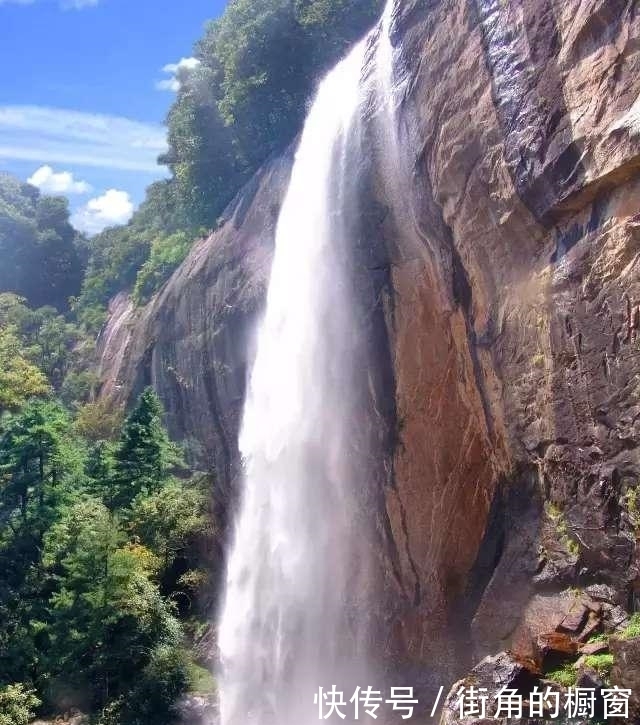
point(595, 647)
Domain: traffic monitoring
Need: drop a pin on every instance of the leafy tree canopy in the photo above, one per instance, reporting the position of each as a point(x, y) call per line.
point(40, 349)
point(17, 705)
point(19, 378)
point(40, 250)
point(259, 64)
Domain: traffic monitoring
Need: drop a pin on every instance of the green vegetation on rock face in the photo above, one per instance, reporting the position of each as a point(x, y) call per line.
point(602, 663)
point(166, 254)
point(559, 521)
point(633, 509)
point(567, 676)
point(632, 630)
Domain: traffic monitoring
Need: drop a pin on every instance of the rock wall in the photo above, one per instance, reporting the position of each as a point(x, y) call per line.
point(515, 323)
point(507, 312)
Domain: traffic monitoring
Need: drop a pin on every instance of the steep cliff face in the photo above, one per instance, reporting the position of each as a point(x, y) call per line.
point(507, 312)
point(517, 385)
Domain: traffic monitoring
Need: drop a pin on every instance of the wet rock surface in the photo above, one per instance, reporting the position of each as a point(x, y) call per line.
point(515, 333)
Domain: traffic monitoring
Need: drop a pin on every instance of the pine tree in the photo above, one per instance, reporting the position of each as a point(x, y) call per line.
point(144, 454)
point(99, 470)
point(33, 459)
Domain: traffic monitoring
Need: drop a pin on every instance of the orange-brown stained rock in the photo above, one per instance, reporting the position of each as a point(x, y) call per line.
point(556, 642)
point(443, 470)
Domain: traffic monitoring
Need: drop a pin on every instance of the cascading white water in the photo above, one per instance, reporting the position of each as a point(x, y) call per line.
point(286, 628)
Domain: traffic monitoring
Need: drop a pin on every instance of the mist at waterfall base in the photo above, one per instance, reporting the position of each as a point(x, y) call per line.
point(289, 622)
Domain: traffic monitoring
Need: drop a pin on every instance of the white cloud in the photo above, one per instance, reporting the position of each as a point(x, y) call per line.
point(112, 208)
point(178, 72)
point(58, 135)
point(61, 182)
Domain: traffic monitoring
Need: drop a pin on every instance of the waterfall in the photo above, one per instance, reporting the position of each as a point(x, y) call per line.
point(287, 625)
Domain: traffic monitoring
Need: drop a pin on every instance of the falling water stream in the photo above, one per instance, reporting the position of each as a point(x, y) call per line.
point(286, 626)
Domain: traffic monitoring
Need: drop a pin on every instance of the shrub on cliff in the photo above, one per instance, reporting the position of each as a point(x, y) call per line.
point(167, 253)
point(17, 705)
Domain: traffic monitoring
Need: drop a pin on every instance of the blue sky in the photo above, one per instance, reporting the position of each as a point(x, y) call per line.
point(86, 88)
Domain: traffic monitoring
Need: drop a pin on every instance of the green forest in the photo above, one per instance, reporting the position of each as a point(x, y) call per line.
point(102, 521)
